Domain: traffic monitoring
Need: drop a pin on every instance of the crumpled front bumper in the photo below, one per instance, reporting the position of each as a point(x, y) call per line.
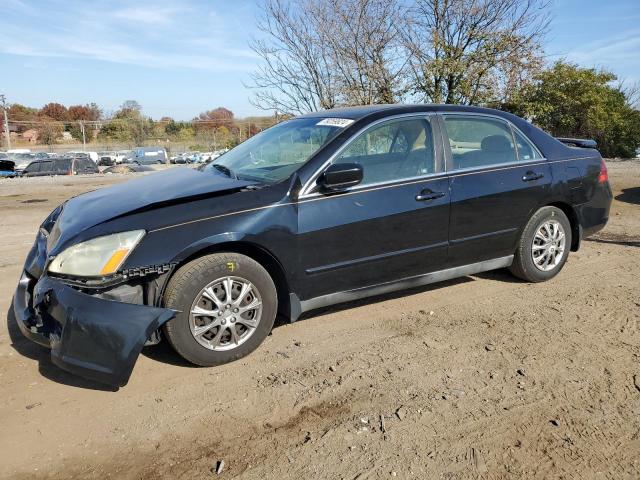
point(92, 337)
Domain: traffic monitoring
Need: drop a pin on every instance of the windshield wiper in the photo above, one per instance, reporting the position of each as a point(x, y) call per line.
point(224, 169)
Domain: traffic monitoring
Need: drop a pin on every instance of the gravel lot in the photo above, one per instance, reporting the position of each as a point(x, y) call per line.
point(481, 377)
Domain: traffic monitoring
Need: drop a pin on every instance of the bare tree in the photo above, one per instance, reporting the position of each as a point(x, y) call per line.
point(364, 42)
point(473, 51)
point(631, 92)
point(295, 75)
point(323, 53)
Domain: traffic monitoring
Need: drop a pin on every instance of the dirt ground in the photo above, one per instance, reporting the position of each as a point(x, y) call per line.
point(481, 377)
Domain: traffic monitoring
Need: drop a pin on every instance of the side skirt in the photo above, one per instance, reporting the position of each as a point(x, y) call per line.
point(403, 284)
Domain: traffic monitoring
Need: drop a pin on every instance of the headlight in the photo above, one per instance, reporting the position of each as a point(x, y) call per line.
point(97, 257)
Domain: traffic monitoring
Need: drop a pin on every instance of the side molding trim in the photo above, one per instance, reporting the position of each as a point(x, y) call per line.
point(403, 284)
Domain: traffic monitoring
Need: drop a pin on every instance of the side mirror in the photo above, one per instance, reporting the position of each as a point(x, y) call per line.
point(340, 176)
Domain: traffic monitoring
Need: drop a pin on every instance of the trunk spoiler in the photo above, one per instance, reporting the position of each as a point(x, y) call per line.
point(579, 142)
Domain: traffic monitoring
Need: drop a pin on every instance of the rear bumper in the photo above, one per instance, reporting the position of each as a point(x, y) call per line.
point(594, 214)
point(91, 337)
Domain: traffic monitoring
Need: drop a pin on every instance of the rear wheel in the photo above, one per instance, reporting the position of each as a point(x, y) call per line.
point(227, 303)
point(544, 246)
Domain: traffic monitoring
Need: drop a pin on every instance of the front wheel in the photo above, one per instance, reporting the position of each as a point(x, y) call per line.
point(227, 305)
point(543, 247)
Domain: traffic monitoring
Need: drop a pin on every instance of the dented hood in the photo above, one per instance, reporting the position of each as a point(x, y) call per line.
point(169, 187)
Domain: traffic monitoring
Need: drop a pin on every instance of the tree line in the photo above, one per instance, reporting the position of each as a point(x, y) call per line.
point(213, 129)
point(318, 54)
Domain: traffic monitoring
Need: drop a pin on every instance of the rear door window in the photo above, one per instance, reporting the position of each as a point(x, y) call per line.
point(478, 141)
point(46, 167)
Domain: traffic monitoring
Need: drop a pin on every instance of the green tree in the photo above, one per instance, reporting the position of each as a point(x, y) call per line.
point(117, 129)
point(127, 125)
point(570, 101)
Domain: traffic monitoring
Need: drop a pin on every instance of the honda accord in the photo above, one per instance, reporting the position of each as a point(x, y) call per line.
point(324, 208)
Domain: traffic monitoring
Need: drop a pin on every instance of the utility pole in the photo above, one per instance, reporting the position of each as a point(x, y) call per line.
point(6, 121)
point(84, 140)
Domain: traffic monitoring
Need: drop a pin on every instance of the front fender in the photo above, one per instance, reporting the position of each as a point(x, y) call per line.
point(208, 242)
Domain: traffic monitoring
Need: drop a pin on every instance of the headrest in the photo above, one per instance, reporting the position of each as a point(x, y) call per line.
point(495, 143)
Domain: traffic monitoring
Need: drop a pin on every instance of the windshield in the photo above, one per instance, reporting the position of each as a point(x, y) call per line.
point(273, 155)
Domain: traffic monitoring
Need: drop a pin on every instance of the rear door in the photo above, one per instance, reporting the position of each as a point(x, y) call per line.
point(498, 178)
point(63, 166)
point(391, 226)
point(46, 168)
point(85, 166)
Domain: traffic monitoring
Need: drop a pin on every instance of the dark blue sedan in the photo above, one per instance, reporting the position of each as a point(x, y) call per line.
point(320, 209)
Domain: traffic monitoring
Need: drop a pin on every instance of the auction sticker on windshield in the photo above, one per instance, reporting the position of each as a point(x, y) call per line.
point(335, 122)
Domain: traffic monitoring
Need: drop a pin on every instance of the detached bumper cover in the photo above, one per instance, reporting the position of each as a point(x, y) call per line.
point(92, 337)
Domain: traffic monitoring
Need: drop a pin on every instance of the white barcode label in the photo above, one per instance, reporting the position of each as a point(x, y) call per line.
point(335, 122)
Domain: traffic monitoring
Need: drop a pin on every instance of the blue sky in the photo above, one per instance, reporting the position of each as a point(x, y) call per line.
point(180, 57)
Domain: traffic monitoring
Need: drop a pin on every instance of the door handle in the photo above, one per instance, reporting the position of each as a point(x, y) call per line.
point(428, 195)
point(530, 176)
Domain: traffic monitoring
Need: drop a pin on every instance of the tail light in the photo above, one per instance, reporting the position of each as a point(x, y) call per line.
point(604, 175)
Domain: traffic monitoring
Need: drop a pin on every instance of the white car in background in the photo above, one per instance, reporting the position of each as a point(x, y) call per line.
point(92, 155)
point(116, 157)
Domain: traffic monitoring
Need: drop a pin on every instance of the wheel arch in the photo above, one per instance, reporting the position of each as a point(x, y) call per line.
point(572, 215)
point(254, 251)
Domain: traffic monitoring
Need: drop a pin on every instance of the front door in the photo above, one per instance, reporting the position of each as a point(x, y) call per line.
point(498, 179)
point(391, 226)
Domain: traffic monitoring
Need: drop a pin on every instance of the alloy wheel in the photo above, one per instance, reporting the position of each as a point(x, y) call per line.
point(549, 243)
point(225, 313)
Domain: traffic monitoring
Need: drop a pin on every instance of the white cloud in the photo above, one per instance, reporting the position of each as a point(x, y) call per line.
point(164, 35)
point(146, 15)
point(617, 53)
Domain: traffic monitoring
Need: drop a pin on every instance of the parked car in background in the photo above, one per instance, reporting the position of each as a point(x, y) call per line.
point(21, 160)
point(61, 166)
point(149, 155)
point(126, 155)
point(324, 208)
point(106, 161)
point(91, 155)
point(182, 158)
point(19, 150)
point(7, 167)
point(116, 157)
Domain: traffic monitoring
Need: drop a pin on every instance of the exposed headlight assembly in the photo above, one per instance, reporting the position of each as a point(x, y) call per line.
point(97, 257)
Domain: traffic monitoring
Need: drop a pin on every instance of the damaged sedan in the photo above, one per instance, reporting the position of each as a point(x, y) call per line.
point(324, 208)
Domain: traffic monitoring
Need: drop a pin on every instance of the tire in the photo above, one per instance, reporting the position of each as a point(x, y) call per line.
point(190, 284)
point(524, 266)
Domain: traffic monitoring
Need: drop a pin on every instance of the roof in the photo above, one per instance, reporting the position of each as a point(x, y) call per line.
point(357, 113)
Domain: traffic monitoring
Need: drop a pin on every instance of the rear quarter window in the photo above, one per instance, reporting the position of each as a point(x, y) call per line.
point(526, 149)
